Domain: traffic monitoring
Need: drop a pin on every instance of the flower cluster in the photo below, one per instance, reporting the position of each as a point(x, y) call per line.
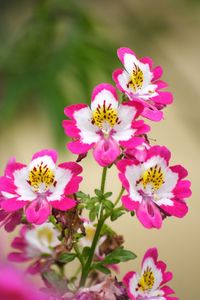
point(60, 224)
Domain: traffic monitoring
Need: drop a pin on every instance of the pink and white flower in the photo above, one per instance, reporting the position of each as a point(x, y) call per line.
point(40, 186)
point(140, 82)
point(33, 243)
point(150, 284)
point(105, 127)
point(155, 189)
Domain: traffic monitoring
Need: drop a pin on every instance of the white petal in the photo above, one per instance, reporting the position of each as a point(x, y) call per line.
point(23, 188)
point(40, 243)
point(133, 173)
point(62, 177)
point(129, 61)
point(88, 131)
point(47, 160)
point(123, 131)
point(158, 278)
point(107, 96)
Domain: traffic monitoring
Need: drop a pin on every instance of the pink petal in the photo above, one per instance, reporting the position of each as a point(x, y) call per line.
point(12, 166)
point(71, 109)
point(167, 276)
point(152, 114)
point(70, 128)
point(7, 185)
point(129, 203)
point(163, 98)
point(179, 209)
point(147, 60)
point(157, 73)
point(167, 290)
point(77, 147)
point(72, 166)
point(124, 181)
point(106, 152)
point(123, 163)
point(152, 253)
point(161, 151)
point(38, 212)
point(115, 76)
point(149, 215)
point(104, 86)
point(13, 204)
point(182, 189)
point(73, 186)
point(64, 204)
point(46, 152)
point(180, 170)
point(17, 257)
point(122, 51)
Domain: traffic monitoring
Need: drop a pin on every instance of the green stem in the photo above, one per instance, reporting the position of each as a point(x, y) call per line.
point(103, 179)
point(86, 269)
point(119, 196)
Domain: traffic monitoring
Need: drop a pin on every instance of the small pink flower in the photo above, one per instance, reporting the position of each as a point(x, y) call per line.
point(155, 190)
point(105, 127)
point(140, 82)
point(39, 186)
point(14, 285)
point(33, 243)
point(150, 284)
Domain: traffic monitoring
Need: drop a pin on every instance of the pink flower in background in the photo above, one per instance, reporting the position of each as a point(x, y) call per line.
point(150, 284)
point(140, 82)
point(9, 219)
point(105, 127)
point(33, 243)
point(14, 285)
point(155, 190)
point(39, 186)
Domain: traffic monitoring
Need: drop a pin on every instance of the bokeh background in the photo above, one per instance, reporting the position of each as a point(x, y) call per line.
point(53, 52)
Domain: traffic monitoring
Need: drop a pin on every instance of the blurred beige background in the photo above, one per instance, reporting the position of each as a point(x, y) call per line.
point(177, 50)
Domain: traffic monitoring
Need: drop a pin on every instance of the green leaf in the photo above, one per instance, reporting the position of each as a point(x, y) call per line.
point(118, 212)
point(92, 215)
point(82, 195)
point(98, 193)
point(107, 195)
point(102, 269)
point(66, 257)
point(119, 254)
point(108, 204)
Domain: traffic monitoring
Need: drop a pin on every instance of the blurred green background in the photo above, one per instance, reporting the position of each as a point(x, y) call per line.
point(53, 52)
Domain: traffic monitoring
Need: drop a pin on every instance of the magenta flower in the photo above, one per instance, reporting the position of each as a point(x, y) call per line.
point(155, 190)
point(14, 285)
point(150, 284)
point(140, 82)
point(39, 186)
point(105, 127)
point(33, 243)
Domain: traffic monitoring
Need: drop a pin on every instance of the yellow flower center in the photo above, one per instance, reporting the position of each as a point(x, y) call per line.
point(105, 117)
point(45, 234)
point(147, 280)
point(41, 176)
point(90, 232)
point(153, 176)
point(136, 79)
